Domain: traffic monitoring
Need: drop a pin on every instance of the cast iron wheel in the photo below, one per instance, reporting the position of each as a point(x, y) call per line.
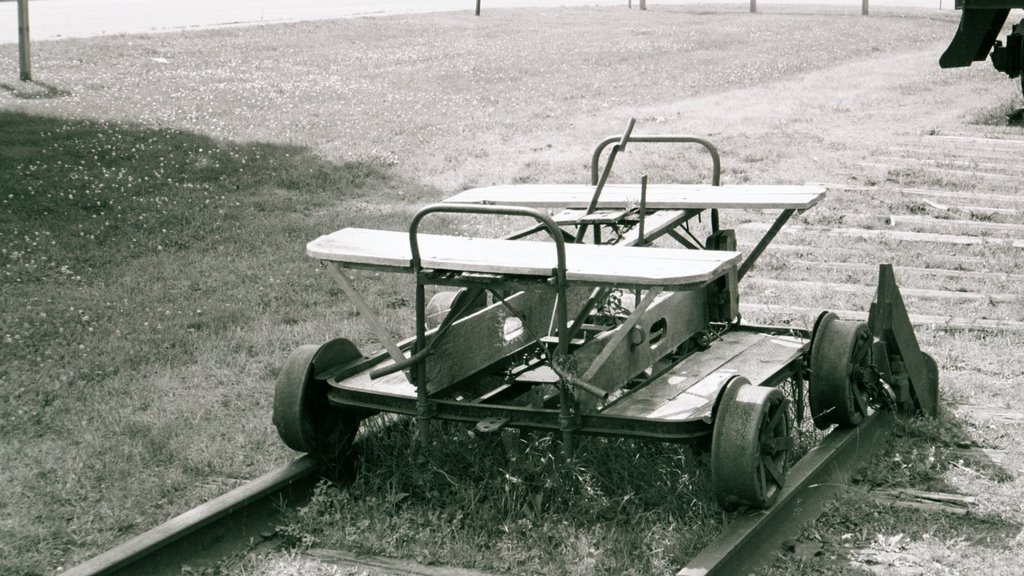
point(750, 445)
point(304, 418)
point(438, 307)
point(839, 350)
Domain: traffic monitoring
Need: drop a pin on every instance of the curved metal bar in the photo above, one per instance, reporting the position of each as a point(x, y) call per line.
point(402, 362)
point(620, 147)
point(552, 228)
point(716, 161)
point(424, 407)
point(541, 217)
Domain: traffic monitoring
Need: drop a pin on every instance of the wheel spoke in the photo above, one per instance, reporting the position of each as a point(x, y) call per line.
point(860, 403)
point(780, 412)
point(861, 348)
point(769, 466)
point(859, 355)
point(762, 478)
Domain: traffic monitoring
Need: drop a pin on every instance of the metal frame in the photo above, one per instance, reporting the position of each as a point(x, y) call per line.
point(975, 39)
point(489, 406)
point(425, 407)
point(625, 384)
point(567, 418)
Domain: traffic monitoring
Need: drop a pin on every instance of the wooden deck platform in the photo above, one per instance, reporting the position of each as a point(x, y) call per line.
point(667, 268)
point(689, 390)
point(659, 196)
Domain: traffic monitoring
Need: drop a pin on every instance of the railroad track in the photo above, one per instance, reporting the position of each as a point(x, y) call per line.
point(945, 208)
point(211, 531)
point(248, 515)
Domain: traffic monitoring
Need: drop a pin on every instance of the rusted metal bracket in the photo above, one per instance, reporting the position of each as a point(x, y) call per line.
point(890, 323)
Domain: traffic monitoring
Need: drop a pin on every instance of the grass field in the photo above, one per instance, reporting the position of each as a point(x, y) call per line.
point(157, 192)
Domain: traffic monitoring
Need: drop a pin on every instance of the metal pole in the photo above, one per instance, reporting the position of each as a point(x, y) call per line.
point(24, 58)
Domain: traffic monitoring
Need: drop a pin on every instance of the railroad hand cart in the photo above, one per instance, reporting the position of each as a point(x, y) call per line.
point(610, 336)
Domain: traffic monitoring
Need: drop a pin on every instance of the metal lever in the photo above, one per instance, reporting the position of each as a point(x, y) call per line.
point(608, 169)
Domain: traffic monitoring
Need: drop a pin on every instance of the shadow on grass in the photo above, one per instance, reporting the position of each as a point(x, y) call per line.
point(151, 271)
point(34, 91)
point(129, 190)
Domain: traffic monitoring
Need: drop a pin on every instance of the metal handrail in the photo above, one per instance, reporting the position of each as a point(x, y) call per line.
point(552, 228)
point(424, 407)
point(716, 160)
point(716, 174)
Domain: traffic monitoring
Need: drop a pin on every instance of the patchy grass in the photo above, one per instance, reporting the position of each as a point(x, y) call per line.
point(1008, 114)
point(142, 276)
point(157, 192)
point(857, 535)
point(510, 502)
point(514, 505)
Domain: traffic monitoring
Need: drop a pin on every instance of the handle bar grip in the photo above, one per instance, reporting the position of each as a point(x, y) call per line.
point(627, 133)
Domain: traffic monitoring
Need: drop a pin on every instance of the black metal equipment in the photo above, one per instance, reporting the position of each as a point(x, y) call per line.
point(980, 24)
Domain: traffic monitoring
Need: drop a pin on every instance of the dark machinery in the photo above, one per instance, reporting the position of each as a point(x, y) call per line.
point(980, 24)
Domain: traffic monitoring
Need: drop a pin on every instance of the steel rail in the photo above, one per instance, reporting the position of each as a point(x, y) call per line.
point(750, 539)
point(229, 523)
point(212, 530)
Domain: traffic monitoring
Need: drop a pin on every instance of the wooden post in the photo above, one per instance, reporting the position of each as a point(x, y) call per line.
point(864, 7)
point(24, 58)
point(643, 4)
point(477, 7)
point(753, 6)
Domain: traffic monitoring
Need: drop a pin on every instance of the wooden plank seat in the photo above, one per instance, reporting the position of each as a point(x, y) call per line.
point(659, 196)
point(588, 264)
